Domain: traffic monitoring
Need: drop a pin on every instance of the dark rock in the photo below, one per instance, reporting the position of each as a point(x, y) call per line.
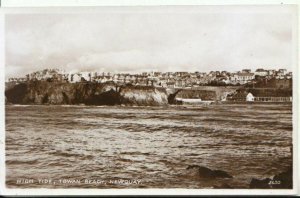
point(171, 98)
point(221, 174)
point(223, 186)
point(106, 98)
point(283, 180)
point(89, 93)
point(260, 184)
point(16, 94)
point(204, 172)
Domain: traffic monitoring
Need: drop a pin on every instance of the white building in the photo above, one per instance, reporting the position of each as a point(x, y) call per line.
point(242, 78)
point(250, 97)
point(73, 78)
point(261, 72)
point(86, 75)
point(282, 71)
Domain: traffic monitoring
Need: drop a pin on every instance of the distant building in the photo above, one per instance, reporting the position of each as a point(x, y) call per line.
point(260, 96)
point(261, 78)
point(180, 83)
point(246, 71)
point(18, 80)
point(283, 83)
point(242, 78)
point(86, 76)
point(289, 75)
point(261, 72)
point(157, 74)
point(271, 72)
point(282, 71)
point(181, 74)
point(73, 78)
point(249, 97)
point(276, 97)
point(170, 84)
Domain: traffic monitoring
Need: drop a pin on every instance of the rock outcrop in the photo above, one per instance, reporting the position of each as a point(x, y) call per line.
point(206, 173)
point(146, 96)
point(223, 186)
point(260, 183)
point(56, 93)
point(283, 180)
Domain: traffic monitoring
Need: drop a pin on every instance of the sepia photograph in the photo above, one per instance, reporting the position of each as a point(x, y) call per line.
point(150, 97)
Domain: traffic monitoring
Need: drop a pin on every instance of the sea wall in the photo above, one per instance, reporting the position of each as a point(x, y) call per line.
point(41, 92)
point(197, 94)
point(206, 93)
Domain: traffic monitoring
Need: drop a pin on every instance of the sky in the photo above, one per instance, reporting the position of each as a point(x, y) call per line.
point(161, 38)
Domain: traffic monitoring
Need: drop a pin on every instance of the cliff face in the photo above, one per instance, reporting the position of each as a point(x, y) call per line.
point(147, 96)
point(197, 94)
point(41, 92)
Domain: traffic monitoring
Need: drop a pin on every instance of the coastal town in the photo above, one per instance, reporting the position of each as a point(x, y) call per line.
point(167, 79)
point(260, 85)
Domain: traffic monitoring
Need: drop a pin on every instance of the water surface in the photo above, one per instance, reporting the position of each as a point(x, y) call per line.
point(152, 144)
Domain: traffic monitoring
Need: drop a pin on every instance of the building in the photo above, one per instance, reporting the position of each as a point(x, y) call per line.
point(273, 99)
point(86, 76)
point(181, 74)
point(261, 78)
point(239, 96)
point(261, 72)
point(170, 84)
point(18, 80)
point(192, 101)
point(282, 72)
point(242, 78)
point(249, 97)
point(246, 71)
point(74, 78)
point(243, 96)
point(180, 83)
point(283, 83)
point(271, 72)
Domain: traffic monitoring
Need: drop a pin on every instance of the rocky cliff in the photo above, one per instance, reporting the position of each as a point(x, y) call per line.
point(148, 96)
point(41, 92)
point(197, 94)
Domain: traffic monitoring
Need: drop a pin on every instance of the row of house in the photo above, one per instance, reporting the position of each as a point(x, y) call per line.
point(159, 79)
point(181, 79)
point(261, 95)
point(246, 76)
point(251, 98)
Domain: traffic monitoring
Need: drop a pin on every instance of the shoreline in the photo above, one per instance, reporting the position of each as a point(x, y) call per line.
point(158, 106)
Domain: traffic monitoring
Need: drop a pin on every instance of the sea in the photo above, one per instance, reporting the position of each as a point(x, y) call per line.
point(145, 147)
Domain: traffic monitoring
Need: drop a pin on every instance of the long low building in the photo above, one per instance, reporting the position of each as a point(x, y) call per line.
point(274, 99)
point(251, 98)
point(192, 101)
point(261, 95)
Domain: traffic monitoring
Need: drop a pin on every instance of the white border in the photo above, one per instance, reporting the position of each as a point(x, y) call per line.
point(61, 6)
point(81, 3)
point(2, 106)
